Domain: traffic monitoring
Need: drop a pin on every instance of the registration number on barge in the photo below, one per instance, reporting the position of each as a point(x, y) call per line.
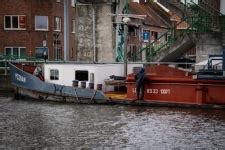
point(156, 91)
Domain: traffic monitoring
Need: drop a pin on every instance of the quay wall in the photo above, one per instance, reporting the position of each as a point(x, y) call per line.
point(5, 83)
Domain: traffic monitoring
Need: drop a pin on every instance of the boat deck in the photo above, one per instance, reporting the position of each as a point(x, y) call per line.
point(122, 99)
point(117, 96)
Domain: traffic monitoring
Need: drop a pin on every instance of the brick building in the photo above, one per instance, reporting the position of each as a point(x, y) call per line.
point(31, 27)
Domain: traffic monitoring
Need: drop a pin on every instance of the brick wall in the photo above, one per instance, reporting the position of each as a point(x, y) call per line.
point(30, 38)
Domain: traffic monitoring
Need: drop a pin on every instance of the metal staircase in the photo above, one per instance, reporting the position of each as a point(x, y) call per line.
point(175, 50)
point(175, 42)
point(172, 36)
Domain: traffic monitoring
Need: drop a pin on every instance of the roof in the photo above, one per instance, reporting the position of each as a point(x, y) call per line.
point(180, 25)
point(157, 15)
point(152, 19)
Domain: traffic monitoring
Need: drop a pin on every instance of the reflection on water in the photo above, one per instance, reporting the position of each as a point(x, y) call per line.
point(46, 124)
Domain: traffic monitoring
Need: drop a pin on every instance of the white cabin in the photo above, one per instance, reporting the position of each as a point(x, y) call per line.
point(216, 63)
point(64, 74)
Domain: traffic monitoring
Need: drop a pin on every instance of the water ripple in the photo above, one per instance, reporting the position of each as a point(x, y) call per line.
point(45, 124)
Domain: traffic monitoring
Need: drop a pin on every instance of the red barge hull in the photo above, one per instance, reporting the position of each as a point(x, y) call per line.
point(170, 85)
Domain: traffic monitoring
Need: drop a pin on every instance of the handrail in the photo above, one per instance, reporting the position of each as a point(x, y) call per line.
point(164, 34)
point(201, 8)
point(200, 23)
point(197, 24)
point(4, 67)
point(210, 7)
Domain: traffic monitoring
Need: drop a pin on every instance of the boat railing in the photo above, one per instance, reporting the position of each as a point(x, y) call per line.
point(4, 68)
point(213, 66)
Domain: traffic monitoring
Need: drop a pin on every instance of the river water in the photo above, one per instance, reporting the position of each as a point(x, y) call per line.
point(32, 124)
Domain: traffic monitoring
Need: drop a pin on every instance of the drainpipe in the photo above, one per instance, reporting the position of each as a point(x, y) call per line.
point(94, 39)
point(66, 30)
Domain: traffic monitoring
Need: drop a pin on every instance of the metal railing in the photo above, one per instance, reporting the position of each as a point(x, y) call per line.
point(4, 67)
point(22, 58)
point(187, 25)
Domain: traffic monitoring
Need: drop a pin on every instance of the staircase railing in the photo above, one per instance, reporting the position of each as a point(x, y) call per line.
point(209, 8)
point(205, 21)
point(187, 25)
point(198, 9)
point(217, 15)
point(187, 7)
point(202, 8)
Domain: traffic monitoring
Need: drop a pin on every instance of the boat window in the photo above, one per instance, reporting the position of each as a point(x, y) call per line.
point(54, 74)
point(81, 75)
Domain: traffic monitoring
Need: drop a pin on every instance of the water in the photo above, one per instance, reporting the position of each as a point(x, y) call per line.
point(28, 124)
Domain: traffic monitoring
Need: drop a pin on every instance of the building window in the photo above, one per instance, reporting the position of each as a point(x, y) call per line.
point(81, 75)
point(58, 24)
point(14, 22)
point(41, 23)
point(132, 31)
point(54, 74)
point(73, 3)
point(73, 26)
point(39, 52)
point(17, 52)
point(58, 53)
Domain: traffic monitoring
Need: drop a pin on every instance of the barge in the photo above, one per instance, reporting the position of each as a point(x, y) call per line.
point(203, 86)
point(164, 85)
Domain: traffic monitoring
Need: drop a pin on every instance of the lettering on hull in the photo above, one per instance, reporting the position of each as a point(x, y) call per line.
point(20, 78)
point(155, 91)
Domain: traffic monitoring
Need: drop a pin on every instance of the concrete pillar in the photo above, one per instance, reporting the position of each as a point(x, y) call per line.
point(94, 30)
point(104, 30)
